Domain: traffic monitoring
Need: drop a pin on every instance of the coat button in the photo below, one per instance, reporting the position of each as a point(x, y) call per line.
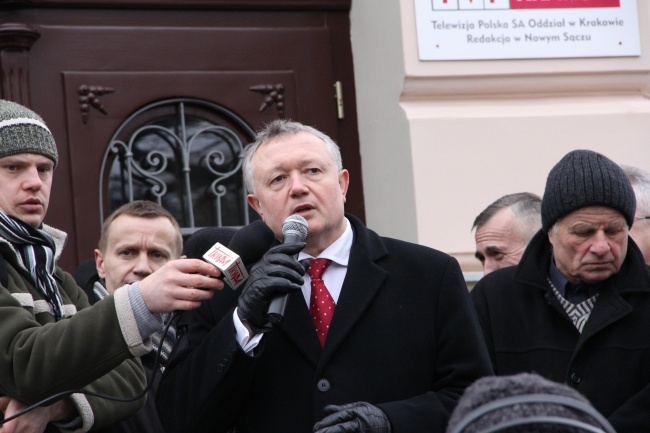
point(323, 385)
point(575, 378)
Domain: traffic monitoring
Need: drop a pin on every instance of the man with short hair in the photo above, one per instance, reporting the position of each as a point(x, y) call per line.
point(504, 228)
point(380, 336)
point(52, 341)
point(576, 309)
point(137, 239)
point(640, 231)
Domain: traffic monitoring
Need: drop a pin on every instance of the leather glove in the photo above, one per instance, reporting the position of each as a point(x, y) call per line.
point(277, 273)
point(359, 417)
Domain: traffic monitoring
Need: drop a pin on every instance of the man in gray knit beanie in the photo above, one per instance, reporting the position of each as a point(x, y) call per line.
point(576, 309)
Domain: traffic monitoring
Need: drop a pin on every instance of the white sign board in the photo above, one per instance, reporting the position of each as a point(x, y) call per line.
point(526, 29)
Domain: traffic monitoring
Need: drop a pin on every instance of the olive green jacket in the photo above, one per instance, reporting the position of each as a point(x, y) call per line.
point(93, 349)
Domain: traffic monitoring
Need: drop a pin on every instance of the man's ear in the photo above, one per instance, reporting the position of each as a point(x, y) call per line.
point(344, 182)
point(255, 204)
point(99, 263)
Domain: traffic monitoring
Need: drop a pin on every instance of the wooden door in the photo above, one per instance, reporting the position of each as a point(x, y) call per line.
point(98, 75)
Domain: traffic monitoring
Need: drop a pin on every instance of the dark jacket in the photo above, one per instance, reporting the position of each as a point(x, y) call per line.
point(527, 330)
point(146, 419)
point(404, 336)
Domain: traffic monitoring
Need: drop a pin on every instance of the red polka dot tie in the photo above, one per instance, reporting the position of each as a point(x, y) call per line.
point(321, 304)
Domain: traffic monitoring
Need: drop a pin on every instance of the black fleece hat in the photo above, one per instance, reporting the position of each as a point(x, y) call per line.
point(586, 178)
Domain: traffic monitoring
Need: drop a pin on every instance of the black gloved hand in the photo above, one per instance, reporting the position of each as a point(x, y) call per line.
point(359, 417)
point(277, 273)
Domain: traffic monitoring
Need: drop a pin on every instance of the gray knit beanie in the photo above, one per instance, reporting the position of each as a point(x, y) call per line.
point(23, 131)
point(524, 403)
point(586, 178)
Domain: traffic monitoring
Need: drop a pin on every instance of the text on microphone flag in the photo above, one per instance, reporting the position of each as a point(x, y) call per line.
point(229, 263)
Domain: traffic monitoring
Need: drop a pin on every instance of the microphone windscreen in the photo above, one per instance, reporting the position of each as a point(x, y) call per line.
point(295, 229)
point(202, 240)
point(252, 241)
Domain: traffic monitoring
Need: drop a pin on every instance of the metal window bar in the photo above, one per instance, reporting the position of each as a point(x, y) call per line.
point(181, 145)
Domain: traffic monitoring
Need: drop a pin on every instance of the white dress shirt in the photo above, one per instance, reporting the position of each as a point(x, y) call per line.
point(339, 253)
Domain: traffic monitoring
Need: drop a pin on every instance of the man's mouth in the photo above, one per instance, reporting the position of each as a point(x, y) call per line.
point(599, 265)
point(303, 208)
point(32, 205)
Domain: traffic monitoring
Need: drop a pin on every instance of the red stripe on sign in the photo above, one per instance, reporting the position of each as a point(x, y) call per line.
point(556, 4)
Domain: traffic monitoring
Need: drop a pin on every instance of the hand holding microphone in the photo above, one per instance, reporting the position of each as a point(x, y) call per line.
point(278, 273)
point(294, 230)
point(181, 284)
point(273, 278)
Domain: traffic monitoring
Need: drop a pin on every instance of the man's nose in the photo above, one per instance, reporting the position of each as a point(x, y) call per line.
point(142, 265)
point(32, 179)
point(489, 266)
point(600, 244)
point(298, 185)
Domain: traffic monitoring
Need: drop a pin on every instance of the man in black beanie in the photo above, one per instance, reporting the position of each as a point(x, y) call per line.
point(576, 309)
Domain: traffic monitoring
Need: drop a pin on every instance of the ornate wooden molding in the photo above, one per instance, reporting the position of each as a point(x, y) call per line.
point(89, 97)
point(17, 37)
point(274, 96)
point(15, 42)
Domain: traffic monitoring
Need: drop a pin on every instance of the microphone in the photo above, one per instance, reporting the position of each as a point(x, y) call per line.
point(294, 229)
point(247, 245)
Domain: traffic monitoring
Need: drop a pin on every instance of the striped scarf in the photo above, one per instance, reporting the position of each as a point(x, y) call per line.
point(36, 254)
point(578, 313)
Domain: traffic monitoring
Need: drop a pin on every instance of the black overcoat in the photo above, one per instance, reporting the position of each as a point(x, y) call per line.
point(404, 336)
point(527, 330)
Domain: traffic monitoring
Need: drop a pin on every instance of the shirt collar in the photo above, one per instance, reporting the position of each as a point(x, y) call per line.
point(339, 251)
point(556, 277)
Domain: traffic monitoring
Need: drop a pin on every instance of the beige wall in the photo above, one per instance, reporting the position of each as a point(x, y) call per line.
point(440, 140)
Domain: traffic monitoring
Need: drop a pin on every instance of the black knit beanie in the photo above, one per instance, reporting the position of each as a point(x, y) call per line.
point(586, 178)
point(23, 131)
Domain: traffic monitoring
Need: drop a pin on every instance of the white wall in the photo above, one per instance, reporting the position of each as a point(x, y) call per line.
point(384, 133)
point(440, 140)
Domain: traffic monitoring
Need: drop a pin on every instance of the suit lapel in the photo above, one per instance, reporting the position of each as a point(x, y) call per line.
point(360, 287)
point(299, 328)
point(362, 282)
point(609, 308)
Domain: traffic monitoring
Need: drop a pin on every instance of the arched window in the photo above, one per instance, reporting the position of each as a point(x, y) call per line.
point(185, 154)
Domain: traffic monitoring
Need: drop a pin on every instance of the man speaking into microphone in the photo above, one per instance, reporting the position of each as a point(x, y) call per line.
point(379, 335)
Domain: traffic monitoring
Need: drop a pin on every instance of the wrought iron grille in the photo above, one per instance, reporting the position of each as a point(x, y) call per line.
point(184, 154)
